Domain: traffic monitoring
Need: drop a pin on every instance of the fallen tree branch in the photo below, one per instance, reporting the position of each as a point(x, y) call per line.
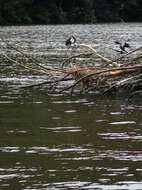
point(26, 67)
point(100, 72)
point(120, 83)
point(129, 53)
point(114, 63)
point(31, 58)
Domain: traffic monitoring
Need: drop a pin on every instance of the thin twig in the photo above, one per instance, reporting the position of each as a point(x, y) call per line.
point(74, 56)
point(135, 93)
point(30, 58)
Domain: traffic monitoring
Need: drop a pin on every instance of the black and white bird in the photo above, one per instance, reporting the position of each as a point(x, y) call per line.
point(71, 40)
point(123, 46)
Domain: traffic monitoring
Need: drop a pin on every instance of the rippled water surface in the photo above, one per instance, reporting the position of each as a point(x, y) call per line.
point(55, 141)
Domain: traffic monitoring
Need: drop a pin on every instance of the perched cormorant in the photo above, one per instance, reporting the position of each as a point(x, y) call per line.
point(70, 41)
point(123, 46)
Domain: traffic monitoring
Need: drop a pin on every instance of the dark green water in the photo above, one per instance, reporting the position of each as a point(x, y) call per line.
point(61, 142)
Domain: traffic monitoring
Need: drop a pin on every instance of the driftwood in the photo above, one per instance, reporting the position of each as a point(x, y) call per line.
point(104, 79)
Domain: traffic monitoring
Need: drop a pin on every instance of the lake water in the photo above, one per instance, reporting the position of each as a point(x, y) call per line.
point(55, 141)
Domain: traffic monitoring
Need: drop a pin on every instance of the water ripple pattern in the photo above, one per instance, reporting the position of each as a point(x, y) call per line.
point(57, 141)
